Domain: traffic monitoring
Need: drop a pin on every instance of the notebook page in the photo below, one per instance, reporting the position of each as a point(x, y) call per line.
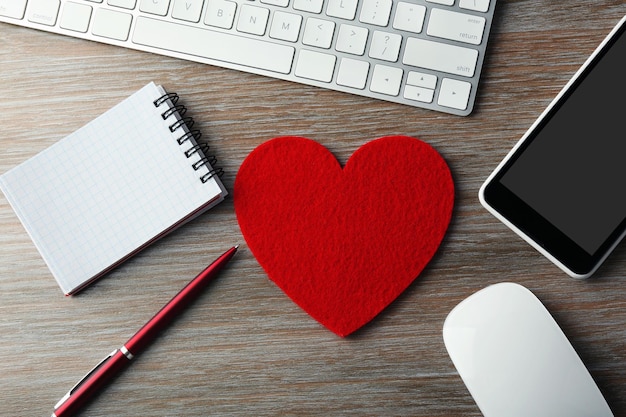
point(108, 189)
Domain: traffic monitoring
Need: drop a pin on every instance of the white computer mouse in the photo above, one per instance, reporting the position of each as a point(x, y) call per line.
point(515, 359)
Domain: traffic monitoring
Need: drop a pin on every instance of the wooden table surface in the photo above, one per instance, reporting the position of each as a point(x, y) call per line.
point(244, 348)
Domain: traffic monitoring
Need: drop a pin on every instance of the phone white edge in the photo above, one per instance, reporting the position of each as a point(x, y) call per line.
point(481, 192)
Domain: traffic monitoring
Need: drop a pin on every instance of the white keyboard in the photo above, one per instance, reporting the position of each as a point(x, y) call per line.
point(422, 53)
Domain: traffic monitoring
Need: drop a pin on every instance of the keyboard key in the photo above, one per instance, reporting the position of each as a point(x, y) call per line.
point(188, 10)
point(158, 7)
point(454, 93)
point(76, 16)
point(421, 79)
point(111, 24)
point(476, 5)
point(220, 13)
point(385, 46)
point(315, 66)
point(386, 80)
point(444, 2)
point(253, 19)
point(126, 4)
point(353, 73)
point(43, 11)
point(424, 95)
point(376, 12)
point(440, 57)
point(311, 6)
point(409, 17)
point(13, 8)
point(352, 39)
point(286, 26)
point(456, 26)
point(318, 32)
point(210, 44)
point(281, 3)
point(343, 9)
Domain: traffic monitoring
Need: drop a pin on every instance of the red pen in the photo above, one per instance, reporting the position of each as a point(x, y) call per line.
point(120, 358)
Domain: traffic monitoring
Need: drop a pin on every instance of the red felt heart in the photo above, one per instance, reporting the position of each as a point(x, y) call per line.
point(343, 243)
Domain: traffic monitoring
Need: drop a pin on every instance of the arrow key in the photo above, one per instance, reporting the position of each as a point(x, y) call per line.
point(415, 93)
point(386, 80)
point(420, 79)
point(454, 93)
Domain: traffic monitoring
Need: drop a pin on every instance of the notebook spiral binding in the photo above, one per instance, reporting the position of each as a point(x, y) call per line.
point(189, 135)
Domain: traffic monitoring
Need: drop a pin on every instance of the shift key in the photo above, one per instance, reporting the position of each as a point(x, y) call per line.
point(442, 57)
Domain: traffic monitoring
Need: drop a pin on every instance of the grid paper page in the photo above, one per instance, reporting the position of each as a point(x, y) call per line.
point(107, 190)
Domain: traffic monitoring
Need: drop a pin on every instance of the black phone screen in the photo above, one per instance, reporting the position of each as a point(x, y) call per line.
point(574, 171)
point(565, 185)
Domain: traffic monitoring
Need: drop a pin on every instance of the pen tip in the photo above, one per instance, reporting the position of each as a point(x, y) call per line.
point(236, 246)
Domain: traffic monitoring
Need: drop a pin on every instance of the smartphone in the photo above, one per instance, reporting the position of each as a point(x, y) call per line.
point(562, 187)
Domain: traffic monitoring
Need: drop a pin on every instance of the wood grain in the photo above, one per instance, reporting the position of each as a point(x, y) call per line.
point(244, 348)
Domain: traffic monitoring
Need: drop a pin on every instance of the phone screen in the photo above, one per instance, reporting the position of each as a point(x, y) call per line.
point(574, 171)
point(564, 186)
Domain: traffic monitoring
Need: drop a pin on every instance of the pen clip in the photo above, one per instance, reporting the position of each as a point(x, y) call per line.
point(83, 379)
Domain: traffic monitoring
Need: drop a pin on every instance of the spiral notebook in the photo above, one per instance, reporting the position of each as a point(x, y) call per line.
point(111, 188)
